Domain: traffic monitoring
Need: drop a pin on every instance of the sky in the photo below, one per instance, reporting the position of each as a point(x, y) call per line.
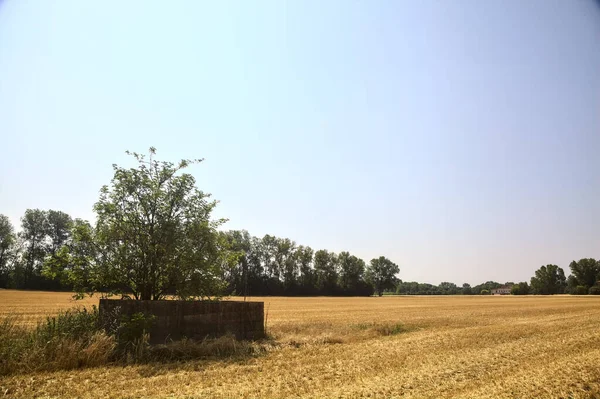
point(460, 139)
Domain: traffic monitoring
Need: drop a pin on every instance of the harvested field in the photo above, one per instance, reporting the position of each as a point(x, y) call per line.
point(413, 347)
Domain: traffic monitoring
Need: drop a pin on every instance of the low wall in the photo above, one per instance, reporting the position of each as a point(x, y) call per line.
point(191, 319)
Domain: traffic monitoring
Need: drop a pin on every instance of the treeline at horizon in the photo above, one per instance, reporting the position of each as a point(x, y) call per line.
point(269, 266)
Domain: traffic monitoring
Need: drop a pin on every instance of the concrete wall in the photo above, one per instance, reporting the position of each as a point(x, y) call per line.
point(192, 319)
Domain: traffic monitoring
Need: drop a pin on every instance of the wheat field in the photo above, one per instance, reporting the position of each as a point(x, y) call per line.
point(410, 347)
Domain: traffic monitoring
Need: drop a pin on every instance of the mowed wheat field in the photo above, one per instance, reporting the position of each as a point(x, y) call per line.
point(412, 347)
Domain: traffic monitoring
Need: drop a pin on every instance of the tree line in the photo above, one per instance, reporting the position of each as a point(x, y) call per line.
point(154, 236)
point(548, 280)
point(51, 244)
point(258, 266)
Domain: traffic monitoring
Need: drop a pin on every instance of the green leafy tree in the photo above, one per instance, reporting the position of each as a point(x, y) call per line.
point(154, 236)
point(351, 271)
point(586, 271)
point(7, 249)
point(466, 289)
point(381, 274)
point(74, 263)
point(447, 288)
point(58, 225)
point(285, 260)
point(34, 233)
point(520, 289)
point(548, 280)
point(308, 280)
point(326, 272)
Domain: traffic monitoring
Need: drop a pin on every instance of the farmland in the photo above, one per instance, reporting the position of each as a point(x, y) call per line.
point(419, 347)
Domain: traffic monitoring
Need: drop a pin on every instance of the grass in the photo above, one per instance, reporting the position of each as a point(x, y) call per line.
point(414, 347)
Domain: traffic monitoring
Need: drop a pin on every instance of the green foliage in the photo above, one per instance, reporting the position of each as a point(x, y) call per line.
point(548, 280)
point(594, 290)
point(520, 289)
point(466, 289)
point(78, 323)
point(154, 237)
point(580, 290)
point(7, 249)
point(326, 270)
point(484, 292)
point(351, 271)
point(381, 274)
point(585, 272)
point(131, 329)
point(488, 286)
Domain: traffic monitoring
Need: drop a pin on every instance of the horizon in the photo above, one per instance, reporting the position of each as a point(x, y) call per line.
point(458, 140)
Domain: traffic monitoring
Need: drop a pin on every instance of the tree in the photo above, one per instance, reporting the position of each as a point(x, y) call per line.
point(308, 280)
point(586, 271)
point(381, 274)
point(34, 232)
point(351, 272)
point(520, 289)
point(548, 280)
point(154, 235)
point(58, 225)
point(285, 261)
point(447, 288)
point(466, 289)
point(326, 271)
point(73, 263)
point(488, 286)
point(7, 247)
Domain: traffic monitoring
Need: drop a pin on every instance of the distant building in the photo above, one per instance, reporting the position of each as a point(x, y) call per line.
point(504, 290)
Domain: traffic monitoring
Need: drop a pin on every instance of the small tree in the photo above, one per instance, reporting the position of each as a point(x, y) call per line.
point(154, 236)
point(381, 274)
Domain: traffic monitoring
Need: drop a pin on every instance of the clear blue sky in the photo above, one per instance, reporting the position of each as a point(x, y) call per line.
point(461, 139)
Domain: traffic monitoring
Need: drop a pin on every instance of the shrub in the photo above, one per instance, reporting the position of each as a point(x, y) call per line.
point(78, 324)
point(133, 328)
point(484, 292)
point(580, 290)
point(595, 290)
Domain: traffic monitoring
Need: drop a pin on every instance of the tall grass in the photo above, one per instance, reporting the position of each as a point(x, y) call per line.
point(74, 339)
point(69, 340)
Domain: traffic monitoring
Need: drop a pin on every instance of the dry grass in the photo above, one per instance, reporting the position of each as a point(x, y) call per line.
point(414, 347)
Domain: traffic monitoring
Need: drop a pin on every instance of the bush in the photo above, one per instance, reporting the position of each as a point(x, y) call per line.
point(595, 290)
point(580, 290)
point(78, 323)
point(484, 292)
